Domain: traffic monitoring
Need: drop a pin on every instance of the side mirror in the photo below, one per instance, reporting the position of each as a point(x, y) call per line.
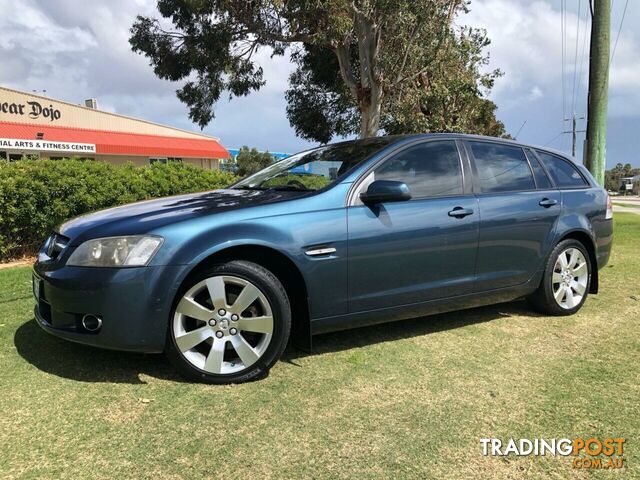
point(385, 191)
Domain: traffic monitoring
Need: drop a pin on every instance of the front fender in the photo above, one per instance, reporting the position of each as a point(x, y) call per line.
point(200, 247)
point(290, 235)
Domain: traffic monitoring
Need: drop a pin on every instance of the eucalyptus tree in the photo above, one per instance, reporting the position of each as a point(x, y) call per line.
point(379, 55)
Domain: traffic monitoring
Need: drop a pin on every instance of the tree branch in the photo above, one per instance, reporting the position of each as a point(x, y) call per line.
point(412, 76)
point(346, 71)
point(406, 52)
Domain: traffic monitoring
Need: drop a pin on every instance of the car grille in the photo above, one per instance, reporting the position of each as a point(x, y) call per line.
point(54, 245)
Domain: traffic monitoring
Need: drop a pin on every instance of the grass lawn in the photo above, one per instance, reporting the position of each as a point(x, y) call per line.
point(404, 400)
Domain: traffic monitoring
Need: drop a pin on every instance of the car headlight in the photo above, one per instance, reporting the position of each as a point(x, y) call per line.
point(131, 251)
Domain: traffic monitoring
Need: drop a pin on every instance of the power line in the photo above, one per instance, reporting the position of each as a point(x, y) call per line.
point(553, 139)
point(624, 12)
point(582, 55)
point(563, 40)
point(515, 137)
point(575, 60)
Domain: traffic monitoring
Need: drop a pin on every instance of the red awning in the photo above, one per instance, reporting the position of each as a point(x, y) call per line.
point(119, 143)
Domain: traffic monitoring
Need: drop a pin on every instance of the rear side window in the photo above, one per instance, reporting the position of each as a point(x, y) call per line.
point(542, 181)
point(562, 172)
point(430, 169)
point(501, 168)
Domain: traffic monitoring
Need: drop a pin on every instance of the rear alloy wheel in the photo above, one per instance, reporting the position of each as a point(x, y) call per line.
point(566, 281)
point(230, 325)
point(570, 277)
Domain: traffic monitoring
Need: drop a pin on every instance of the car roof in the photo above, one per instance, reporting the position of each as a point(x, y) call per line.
point(469, 136)
point(403, 138)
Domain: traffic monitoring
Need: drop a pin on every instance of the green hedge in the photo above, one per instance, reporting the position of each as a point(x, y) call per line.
point(38, 195)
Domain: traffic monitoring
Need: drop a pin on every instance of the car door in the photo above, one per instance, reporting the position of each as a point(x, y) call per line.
point(518, 211)
point(420, 249)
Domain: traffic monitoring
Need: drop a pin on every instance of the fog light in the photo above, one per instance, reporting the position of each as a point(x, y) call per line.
point(91, 322)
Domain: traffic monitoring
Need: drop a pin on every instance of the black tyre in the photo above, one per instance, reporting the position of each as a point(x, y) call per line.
point(230, 324)
point(566, 280)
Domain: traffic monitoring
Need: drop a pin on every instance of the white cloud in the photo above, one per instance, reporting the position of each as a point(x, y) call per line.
point(535, 93)
point(77, 49)
point(526, 44)
point(527, 47)
point(29, 43)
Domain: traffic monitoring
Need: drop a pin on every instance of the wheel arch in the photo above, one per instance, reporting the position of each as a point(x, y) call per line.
point(585, 239)
point(285, 269)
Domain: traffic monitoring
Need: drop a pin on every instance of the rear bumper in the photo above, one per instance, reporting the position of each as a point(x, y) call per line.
point(134, 304)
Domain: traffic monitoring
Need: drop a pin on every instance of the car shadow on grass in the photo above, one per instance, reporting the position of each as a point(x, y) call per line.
point(88, 364)
point(389, 332)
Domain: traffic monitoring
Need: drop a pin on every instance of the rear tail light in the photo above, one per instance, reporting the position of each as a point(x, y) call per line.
point(609, 213)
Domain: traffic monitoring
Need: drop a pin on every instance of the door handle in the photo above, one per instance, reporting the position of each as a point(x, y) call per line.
point(460, 212)
point(547, 202)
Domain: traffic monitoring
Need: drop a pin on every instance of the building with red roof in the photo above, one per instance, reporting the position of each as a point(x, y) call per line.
point(37, 126)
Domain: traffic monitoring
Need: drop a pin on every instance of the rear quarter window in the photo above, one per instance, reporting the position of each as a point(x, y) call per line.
point(563, 173)
point(542, 180)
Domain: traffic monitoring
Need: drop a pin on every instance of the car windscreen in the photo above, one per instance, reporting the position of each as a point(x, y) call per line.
point(314, 169)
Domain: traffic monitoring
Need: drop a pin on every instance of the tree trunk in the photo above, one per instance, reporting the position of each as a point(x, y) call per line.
point(370, 117)
point(367, 89)
point(370, 91)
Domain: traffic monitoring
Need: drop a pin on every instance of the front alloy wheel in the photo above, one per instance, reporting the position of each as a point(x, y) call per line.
point(230, 325)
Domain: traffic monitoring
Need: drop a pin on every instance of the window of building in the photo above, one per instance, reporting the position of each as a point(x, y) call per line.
point(3, 155)
point(501, 168)
point(563, 173)
point(430, 169)
point(153, 160)
point(70, 158)
point(14, 157)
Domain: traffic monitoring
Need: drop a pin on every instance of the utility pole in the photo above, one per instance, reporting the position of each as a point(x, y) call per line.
point(574, 131)
point(598, 88)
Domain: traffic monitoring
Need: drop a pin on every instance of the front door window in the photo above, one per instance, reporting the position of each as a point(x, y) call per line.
point(430, 169)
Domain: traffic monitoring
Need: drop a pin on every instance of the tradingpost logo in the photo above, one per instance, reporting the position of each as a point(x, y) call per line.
point(588, 453)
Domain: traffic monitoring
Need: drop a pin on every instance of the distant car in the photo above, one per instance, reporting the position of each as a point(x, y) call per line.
point(386, 228)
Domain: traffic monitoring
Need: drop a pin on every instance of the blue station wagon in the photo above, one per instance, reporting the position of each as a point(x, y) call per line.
point(340, 236)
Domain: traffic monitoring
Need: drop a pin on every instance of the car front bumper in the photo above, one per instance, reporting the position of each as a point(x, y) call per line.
point(133, 303)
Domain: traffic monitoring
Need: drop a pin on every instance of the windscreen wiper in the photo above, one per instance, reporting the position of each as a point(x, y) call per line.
point(248, 187)
point(291, 188)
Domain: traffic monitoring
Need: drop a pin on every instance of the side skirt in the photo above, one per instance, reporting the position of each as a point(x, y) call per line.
point(415, 310)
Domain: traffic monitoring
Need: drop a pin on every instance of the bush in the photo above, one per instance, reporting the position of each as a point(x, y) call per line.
point(314, 182)
point(250, 161)
point(37, 195)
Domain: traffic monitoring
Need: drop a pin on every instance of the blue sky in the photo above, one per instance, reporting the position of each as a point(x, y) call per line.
point(76, 49)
